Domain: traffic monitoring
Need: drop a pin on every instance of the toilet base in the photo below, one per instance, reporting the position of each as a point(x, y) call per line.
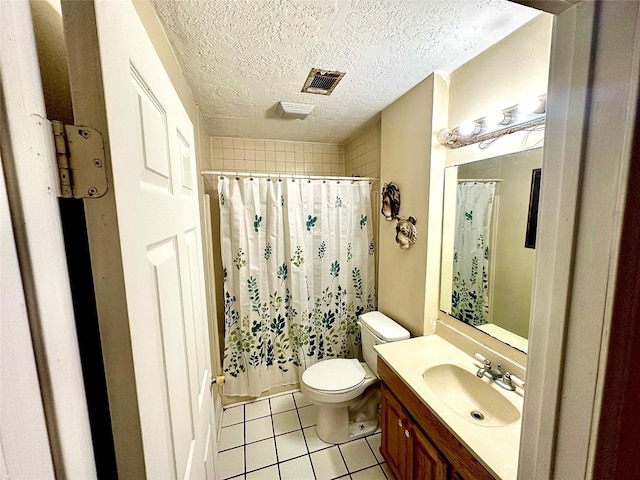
point(348, 422)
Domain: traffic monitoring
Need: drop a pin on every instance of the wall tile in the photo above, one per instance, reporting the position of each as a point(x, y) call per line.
point(265, 156)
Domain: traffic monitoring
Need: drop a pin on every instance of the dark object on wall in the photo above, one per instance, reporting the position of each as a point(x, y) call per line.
point(390, 201)
point(534, 200)
point(406, 232)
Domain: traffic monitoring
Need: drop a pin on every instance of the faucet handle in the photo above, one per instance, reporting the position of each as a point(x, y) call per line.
point(483, 359)
point(514, 380)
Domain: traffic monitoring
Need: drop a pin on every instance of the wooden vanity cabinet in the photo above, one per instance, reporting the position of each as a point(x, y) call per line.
point(408, 452)
point(415, 444)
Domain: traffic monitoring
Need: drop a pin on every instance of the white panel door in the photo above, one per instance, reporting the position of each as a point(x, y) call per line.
point(145, 245)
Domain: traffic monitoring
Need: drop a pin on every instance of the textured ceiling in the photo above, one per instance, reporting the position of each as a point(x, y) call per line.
point(243, 56)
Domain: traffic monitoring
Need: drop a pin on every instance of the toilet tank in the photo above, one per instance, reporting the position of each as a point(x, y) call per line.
point(377, 328)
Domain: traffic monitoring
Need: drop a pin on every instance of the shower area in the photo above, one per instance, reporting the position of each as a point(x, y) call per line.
point(292, 256)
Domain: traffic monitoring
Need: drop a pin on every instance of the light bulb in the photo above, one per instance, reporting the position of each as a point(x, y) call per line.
point(531, 105)
point(496, 118)
point(469, 127)
point(446, 136)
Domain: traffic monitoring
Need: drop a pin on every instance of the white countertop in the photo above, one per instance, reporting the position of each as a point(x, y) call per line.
point(496, 447)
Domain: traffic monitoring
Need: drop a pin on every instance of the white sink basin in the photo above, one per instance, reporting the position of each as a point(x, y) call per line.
point(473, 398)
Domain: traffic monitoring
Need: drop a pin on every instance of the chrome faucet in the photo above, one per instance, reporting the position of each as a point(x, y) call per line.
point(505, 380)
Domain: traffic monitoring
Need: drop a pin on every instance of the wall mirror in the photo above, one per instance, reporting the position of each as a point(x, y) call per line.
point(490, 209)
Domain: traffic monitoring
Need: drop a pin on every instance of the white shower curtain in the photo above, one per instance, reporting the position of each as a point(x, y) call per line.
point(470, 293)
point(298, 260)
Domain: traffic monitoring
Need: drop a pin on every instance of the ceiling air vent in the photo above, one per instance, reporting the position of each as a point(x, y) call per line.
point(321, 82)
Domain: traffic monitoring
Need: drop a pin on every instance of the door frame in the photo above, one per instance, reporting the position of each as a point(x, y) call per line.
point(28, 160)
point(587, 157)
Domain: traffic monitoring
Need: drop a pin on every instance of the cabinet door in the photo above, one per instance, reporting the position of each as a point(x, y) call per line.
point(395, 435)
point(455, 475)
point(427, 462)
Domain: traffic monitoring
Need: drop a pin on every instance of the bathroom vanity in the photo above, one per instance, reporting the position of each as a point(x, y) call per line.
point(429, 391)
point(415, 443)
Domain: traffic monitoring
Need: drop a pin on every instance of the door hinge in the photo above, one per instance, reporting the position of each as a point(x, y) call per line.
point(81, 163)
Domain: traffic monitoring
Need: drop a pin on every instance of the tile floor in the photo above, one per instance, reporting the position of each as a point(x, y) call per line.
point(275, 439)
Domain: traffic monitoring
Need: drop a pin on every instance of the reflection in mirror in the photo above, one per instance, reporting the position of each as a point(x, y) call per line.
point(487, 272)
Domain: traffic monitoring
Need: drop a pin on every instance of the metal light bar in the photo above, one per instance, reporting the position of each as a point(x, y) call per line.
point(528, 114)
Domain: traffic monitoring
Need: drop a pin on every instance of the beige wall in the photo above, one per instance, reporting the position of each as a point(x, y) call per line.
point(275, 156)
point(405, 145)
point(362, 151)
point(512, 69)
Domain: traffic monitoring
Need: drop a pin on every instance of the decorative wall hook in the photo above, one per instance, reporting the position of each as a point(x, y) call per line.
point(390, 201)
point(406, 232)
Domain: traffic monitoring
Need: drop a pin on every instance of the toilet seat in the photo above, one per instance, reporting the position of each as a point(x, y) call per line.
point(337, 375)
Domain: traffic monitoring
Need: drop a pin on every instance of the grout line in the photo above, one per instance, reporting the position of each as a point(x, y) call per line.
point(275, 445)
point(345, 462)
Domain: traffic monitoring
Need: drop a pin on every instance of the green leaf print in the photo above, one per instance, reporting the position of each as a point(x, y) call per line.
point(282, 272)
point(349, 252)
point(297, 258)
point(222, 200)
point(363, 221)
point(335, 269)
point(338, 202)
point(357, 282)
point(240, 260)
point(268, 250)
point(311, 221)
point(322, 250)
point(256, 223)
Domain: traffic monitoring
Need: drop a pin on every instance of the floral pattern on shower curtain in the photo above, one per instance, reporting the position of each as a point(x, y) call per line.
point(298, 262)
point(470, 293)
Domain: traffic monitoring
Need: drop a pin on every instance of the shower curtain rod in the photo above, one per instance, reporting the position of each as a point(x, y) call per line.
point(289, 175)
point(479, 180)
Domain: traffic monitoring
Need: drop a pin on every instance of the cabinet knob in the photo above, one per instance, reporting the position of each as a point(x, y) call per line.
point(400, 423)
point(406, 433)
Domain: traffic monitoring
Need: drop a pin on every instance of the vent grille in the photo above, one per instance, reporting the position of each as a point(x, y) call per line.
point(322, 82)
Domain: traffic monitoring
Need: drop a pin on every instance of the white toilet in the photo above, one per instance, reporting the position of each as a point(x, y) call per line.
point(337, 385)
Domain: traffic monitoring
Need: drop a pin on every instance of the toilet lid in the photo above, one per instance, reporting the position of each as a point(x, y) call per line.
point(335, 374)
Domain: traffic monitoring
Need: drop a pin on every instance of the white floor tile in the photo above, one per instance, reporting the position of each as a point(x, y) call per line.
point(301, 400)
point(388, 472)
point(256, 410)
point(357, 455)
point(308, 415)
point(313, 442)
point(231, 437)
point(328, 464)
point(282, 403)
point(269, 473)
point(233, 415)
point(374, 442)
point(373, 473)
point(290, 445)
point(231, 463)
point(258, 429)
point(286, 422)
point(260, 454)
point(297, 469)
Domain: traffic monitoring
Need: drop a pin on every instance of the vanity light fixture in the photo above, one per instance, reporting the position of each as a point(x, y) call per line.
point(529, 113)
